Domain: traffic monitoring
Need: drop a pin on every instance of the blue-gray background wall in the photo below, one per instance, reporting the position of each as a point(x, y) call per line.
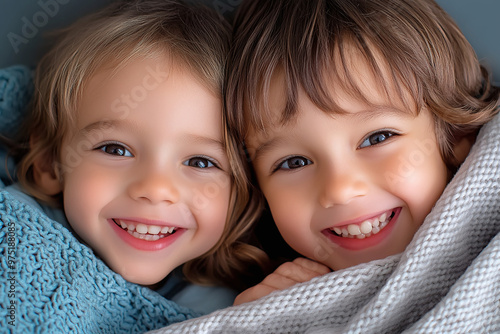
point(23, 24)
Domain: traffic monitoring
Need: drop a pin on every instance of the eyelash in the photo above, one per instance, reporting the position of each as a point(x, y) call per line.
point(117, 145)
point(280, 164)
point(205, 158)
point(385, 132)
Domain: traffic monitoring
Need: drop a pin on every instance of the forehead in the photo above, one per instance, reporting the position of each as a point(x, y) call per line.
point(151, 89)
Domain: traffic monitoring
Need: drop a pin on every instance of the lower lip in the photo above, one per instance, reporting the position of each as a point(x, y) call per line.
point(359, 244)
point(145, 245)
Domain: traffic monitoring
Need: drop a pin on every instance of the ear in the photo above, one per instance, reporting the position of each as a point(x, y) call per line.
point(462, 147)
point(45, 174)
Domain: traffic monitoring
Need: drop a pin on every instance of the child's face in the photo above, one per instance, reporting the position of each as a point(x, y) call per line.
point(147, 156)
point(346, 189)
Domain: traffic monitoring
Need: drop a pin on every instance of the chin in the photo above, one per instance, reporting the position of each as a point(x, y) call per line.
point(139, 275)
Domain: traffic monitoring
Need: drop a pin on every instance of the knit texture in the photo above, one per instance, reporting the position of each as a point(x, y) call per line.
point(446, 281)
point(59, 286)
point(16, 89)
point(49, 281)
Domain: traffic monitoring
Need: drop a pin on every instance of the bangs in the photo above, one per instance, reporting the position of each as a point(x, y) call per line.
point(352, 67)
point(328, 56)
point(409, 55)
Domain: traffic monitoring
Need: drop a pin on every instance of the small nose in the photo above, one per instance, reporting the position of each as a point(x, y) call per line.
point(154, 187)
point(339, 187)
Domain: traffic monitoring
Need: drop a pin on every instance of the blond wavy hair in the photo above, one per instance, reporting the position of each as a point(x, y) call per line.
point(198, 38)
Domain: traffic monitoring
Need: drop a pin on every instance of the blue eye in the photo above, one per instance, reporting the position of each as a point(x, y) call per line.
point(376, 138)
point(199, 162)
point(115, 149)
point(293, 163)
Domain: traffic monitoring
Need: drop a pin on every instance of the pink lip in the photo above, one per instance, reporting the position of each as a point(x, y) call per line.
point(146, 245)
point(359, 244)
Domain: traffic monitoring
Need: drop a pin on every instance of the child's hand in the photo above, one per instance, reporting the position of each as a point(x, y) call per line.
point(286, 275)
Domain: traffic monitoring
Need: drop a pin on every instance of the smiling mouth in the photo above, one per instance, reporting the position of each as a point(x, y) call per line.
point(365, 229)
point(145, 232)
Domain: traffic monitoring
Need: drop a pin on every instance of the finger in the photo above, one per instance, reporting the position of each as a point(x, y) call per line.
point(296, 272)
point(278, 281)
point(253, 293)
point(288, 274)
point(314, 266)
point(272, 282)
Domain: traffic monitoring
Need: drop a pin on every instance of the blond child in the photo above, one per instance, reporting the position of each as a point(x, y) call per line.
point(126, 135)
point(355, 115)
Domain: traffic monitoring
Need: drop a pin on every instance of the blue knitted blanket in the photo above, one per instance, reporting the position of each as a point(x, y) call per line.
point(49, 281)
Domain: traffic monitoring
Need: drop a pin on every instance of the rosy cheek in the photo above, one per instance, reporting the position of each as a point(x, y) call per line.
point(86, 189)
point(409, 165)
point(400, 172)
point(279, 202)
point(219, 215)
point(290, 216)
point(417, 176)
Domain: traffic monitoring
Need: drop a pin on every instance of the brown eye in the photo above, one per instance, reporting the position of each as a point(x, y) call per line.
point(376, 138)
point(199, 162)
point(115, 149)
point(294, 163)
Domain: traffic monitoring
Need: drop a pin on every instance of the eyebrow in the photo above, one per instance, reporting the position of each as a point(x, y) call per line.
point(104, 125)
point(267, 146)
point(377, 111)
point(195, 138)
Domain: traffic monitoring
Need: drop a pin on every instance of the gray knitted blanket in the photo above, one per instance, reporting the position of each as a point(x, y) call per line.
point(447, 280)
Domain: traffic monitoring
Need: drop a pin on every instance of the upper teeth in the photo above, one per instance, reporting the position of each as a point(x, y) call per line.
point(145, 229)
point(365, 229)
